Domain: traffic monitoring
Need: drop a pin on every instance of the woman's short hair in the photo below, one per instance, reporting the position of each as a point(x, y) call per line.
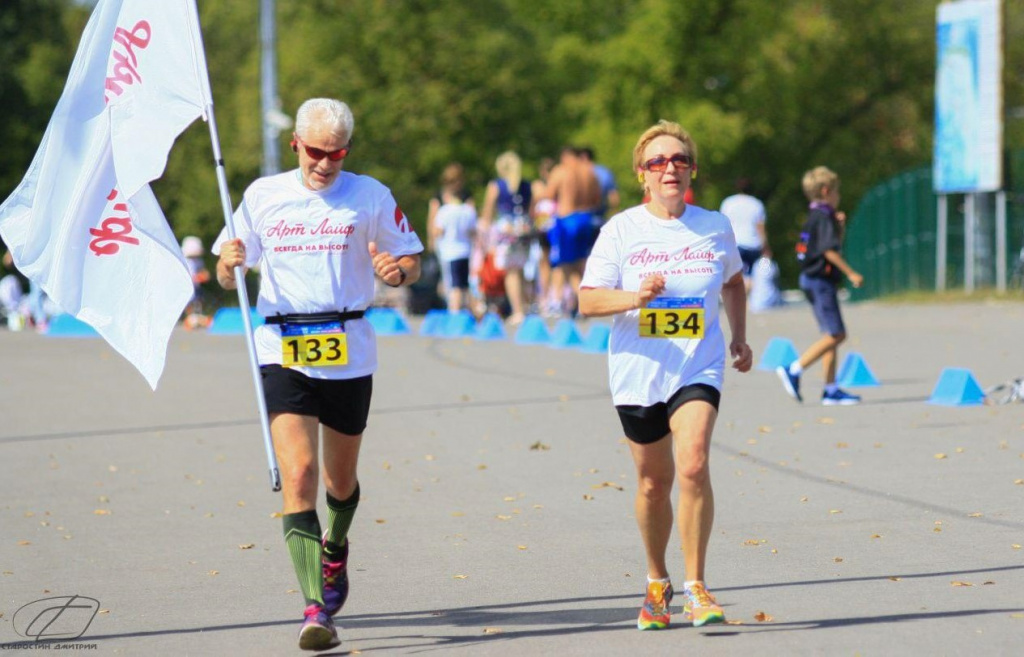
point(334, 114)
point(510, 169)
point(816, 180)
point(659, 129)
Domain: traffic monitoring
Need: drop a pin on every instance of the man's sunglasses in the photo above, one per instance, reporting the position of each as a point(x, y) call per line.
point(660, 163)
point(319, 154)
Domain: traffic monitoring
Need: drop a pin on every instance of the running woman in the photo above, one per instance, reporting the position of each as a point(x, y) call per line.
point(659, 269)
point(319, 234)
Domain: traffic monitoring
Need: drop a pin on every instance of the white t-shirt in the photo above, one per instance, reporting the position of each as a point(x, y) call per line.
point(746, 213)
point(696, 254)
point(458, 221)
point(312, 248)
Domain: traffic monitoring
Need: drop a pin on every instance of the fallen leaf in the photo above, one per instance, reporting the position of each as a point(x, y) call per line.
point(492, 630)
point(481, 467)
point(501, 517)
point(940, 455)
point(103, 611)
point(895, 579)
point(292, 591)
point(460, 576)
point(774, 551)
point(762, 617)
point(752, 541)
point(101, 512)
point(937, 530)
point(959, 583)
point(1015, 546)
point(1019, 482)
point(538, 506)
point(276, 514)
point(803, 499)
point(841, 445)
point(733, 622)
point(213, 572)
point(826, 420)
point(976, 514)
point(752, 441)
point(509, 498)
point(428, 457)
point(876, 536)
point(588, 497)
point(24, 543)
point(959, 450)
point(593, 470)
point(386, 465)
point(521, 547)
point(835, 511)
point(838, 560)
point(764, 428)
point(989, 583)
point(246, 546)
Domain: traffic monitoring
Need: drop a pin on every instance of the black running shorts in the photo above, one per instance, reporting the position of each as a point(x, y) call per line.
point(341, 404)
point(649, 424)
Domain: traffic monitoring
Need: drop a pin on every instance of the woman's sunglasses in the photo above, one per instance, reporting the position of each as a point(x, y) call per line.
point(660, 163)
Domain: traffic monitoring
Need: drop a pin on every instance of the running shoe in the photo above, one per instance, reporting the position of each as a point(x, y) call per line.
point(700, 606)
point(655, 614)
point(839, 397)
point(318, 631)
point(791, 382)
point(335, 580)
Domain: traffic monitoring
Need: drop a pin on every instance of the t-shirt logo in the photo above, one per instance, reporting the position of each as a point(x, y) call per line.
point(402, 221)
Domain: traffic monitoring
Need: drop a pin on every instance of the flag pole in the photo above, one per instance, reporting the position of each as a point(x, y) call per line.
point(225, 201)
point(243, 300)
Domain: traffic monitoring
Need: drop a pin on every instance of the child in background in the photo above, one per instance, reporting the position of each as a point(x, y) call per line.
point(821, 270)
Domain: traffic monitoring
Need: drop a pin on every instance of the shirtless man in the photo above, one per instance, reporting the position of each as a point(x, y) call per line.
point(577, 192)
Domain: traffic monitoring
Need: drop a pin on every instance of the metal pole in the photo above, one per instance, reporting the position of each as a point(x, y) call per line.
point(970, 222)
point(269, 103)
point(942, 232)
point(1001, 241)
point(243, 302)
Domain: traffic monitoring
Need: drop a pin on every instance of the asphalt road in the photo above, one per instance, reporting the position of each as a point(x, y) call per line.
point(497, 511)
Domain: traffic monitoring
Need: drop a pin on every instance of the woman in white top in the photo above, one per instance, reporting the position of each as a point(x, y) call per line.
point(659, 269)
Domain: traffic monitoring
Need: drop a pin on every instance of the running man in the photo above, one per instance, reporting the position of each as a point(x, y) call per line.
point(319, 234)
point(659, 269)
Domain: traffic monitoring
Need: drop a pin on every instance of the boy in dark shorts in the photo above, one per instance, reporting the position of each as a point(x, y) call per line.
point(821, 270)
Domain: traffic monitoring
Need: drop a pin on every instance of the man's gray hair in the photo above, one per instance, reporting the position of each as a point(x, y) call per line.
point(333, 114)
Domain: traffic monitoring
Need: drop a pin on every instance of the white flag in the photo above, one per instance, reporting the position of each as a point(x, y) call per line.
point(84, 223)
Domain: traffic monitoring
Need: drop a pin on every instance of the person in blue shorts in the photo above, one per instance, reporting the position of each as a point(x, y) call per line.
point(822, 268)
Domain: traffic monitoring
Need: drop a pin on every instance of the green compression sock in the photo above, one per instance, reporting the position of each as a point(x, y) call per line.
point(302, 536)
point(339, 519)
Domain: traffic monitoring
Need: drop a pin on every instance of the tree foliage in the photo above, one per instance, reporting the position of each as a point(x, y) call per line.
point(767, 89)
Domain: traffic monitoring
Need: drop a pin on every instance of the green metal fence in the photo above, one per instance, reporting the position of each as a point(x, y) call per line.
point(891, 237)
